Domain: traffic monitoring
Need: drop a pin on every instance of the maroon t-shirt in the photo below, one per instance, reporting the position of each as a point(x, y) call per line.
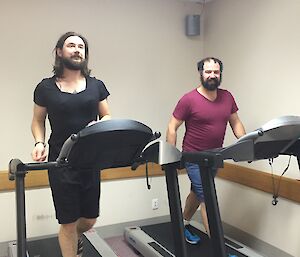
point(205, 120)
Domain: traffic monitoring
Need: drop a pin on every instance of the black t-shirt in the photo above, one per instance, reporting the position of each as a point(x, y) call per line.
point(69, 113)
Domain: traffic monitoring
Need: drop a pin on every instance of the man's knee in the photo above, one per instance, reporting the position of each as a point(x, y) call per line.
point(68, 228)
point(198, 194)
point(85, 224)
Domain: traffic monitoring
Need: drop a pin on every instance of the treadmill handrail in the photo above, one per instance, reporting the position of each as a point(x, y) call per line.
point(251, 135)
point(17, 167)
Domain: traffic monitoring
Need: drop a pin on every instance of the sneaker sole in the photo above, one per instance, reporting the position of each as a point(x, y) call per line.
point(192, 242)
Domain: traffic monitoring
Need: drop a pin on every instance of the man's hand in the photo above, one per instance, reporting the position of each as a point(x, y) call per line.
point(39, 153)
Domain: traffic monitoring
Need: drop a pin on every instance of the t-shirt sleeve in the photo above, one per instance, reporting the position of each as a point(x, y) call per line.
point(103, 92)
point(234, 107)
point(39, 95)
point(181, 111)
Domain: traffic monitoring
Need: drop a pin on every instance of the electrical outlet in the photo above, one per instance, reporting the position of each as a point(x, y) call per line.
point(154, 204)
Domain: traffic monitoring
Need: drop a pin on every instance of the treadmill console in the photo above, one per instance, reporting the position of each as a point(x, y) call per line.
point(106, 144)
point(278, 136)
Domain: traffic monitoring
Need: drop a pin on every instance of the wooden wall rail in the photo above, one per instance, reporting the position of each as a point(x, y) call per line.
point(39, 178)
point(289, 188)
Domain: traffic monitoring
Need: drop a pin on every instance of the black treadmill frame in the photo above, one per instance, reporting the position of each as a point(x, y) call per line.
point(277, 137)
point(18, 169)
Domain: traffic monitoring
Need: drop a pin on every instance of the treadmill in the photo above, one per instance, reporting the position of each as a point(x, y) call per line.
point(106, 144)
point(279, 136)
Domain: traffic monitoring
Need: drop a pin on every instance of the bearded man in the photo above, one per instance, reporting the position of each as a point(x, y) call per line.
point(205, 110)
point(71, 99)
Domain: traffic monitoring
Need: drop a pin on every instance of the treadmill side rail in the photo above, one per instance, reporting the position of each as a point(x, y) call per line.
point(144, 244)
point(99, 244)
point(12, 249)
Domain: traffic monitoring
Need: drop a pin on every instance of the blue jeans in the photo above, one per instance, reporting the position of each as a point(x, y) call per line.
point(193, 172)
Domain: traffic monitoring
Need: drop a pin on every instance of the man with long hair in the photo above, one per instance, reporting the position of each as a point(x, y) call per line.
point(71, 99)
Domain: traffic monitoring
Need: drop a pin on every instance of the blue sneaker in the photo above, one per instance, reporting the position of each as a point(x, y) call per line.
point(191, 238)
point(231, 255)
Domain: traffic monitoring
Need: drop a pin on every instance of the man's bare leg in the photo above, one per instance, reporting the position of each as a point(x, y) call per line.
point(69, 234)
point(191, 206)
point(204, 217)
point(68, 238)
point(84, 224)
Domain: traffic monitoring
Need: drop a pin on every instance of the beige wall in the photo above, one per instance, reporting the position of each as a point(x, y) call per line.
point(138, 48)
point(259, 44)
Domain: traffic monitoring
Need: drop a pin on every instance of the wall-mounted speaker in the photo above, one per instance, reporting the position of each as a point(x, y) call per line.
point(192, 25)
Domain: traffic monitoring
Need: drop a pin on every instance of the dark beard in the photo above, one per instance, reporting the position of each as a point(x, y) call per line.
point(70, 64)
point(210, 84)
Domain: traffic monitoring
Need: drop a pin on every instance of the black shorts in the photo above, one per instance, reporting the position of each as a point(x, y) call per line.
point(75, 193)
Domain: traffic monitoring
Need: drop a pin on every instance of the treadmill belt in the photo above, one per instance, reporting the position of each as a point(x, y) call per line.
point(49, 247)
point(46, 247)
point(159, 249)
point(162, 233)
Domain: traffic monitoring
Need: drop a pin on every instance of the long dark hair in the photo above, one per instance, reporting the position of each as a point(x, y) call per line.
point(58, 67)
